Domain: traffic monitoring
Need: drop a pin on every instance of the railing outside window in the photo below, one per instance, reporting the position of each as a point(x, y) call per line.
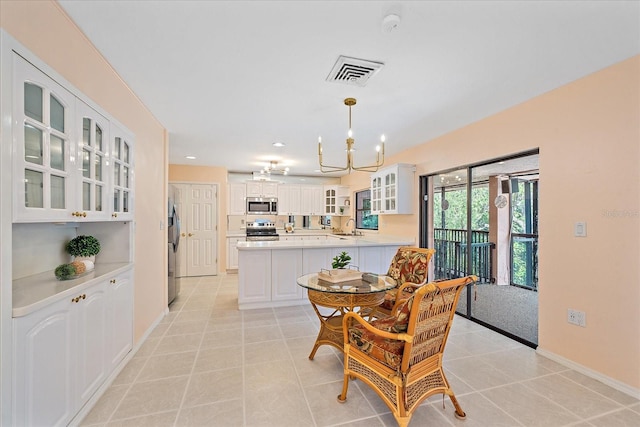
point(450, 259)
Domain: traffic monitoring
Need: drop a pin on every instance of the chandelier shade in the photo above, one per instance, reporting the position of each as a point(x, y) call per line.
point(350, 102)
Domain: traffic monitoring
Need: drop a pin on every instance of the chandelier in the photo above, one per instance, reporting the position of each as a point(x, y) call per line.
point(272, 167)
point(350, 102)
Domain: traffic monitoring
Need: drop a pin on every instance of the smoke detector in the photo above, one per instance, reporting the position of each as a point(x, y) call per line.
point(390, 23)
point(353, 71)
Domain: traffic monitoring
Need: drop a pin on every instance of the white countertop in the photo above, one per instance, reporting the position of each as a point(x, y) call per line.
point(334, 242)
point(34, 292)
point(280, 231)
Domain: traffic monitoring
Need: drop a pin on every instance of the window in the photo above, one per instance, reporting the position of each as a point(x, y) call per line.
point(364, 219)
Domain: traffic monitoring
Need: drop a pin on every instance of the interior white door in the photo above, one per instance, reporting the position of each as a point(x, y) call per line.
point(202, 256)
point(197, 206)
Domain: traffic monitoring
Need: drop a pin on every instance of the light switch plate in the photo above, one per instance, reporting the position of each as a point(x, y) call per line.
point(580, 229)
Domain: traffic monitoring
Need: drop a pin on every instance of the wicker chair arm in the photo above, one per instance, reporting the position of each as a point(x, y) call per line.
point(368, 327)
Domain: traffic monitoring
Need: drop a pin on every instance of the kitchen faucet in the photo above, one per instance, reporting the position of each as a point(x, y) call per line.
point(354, 226)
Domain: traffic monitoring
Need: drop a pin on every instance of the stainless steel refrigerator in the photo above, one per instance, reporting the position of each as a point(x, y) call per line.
point(173, 228)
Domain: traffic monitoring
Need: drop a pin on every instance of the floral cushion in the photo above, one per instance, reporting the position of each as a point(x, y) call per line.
point(387, 351)
point(409, 266)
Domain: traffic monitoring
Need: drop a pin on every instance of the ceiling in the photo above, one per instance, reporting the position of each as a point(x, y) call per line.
point(230, 78)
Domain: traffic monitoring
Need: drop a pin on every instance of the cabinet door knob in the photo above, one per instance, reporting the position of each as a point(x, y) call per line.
point(115, 215)
point(183, 235)
point(84, 214)
point(191, 234)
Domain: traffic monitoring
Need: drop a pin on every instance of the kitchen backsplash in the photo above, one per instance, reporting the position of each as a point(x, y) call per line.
point(239, 222)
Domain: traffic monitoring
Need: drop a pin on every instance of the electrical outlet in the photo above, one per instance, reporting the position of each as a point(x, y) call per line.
point(577, 317)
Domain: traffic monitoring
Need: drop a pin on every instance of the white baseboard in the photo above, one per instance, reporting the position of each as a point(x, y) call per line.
point(107, 383)
point(618, 385)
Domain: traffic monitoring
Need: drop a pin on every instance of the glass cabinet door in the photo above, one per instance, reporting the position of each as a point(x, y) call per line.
point(122, 174)
point(43, 146)
point(376, 194)
point(330, 201)
point(390, 190)
point(93, 154)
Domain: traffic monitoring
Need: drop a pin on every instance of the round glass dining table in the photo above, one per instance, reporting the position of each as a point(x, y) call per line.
point(361, 296)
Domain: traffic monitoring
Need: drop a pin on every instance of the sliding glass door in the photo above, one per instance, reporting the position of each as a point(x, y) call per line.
point(482, 220)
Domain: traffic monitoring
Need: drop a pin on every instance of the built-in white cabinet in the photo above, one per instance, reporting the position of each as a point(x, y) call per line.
point(289, 202)
point(257, 271)
point(122, 156)
point(392, 190)
point(70, 159)
point(232, 252)
point(311, 199)
point(336, 200)
point(262, 189)
point(237, 198)
point(93, 164)
point(286, 267)
point(64, 351)
point(44, 146)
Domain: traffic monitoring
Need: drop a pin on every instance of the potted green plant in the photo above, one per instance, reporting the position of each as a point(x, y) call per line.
point(83, 247)
point(341, 260)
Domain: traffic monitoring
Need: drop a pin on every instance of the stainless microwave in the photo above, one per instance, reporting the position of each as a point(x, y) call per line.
point(262, 206)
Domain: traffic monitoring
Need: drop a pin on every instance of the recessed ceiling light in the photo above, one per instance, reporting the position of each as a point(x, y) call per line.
point(190, 157)
point(278, 144)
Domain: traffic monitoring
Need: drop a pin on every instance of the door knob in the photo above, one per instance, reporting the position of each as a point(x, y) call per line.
point(191, 234)
point(183, 235)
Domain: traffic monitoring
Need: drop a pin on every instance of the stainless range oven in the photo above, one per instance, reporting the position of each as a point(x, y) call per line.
point(261, 230)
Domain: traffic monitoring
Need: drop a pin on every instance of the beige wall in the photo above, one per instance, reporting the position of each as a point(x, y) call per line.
point(44, 29)
point(209, 174)
point(588, 133)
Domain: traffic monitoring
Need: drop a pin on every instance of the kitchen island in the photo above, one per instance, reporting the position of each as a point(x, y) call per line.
point(267, 271)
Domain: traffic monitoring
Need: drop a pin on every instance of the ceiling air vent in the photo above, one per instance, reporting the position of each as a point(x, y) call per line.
point(353, 71)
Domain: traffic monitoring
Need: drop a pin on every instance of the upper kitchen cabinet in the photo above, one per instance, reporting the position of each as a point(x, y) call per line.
point(92, 155)
point(122, 187)
point(336, 200)
point(44, 148)
point(311, 199)
point(262, 189)
point(237, 198)
point(392, 190)
point(70, 158)
point(289, 202)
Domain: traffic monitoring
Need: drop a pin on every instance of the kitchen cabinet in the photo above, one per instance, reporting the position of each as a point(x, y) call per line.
point(392, 190)
point(311, 199)
point(262, 189)
point(119, 318)
point(44, 145)
point(64, 351)
point(289, 202)
point(335, 198)
point(94, 168)
point(232, 252)
point(286, 267)
point(237, 198)
point(257, 272)
point(44, 366)
point(66, 160)
point(122, 158)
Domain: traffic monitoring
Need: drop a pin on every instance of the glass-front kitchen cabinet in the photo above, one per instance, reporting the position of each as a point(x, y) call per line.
point(123, 173)
point(71, 163)
point(93, 165)
point(392, 190)
point(43, 147)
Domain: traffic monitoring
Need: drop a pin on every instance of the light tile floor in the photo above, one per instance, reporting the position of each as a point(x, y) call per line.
point(208, 364)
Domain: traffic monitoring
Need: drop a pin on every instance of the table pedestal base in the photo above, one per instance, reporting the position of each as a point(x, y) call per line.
point(331, 325)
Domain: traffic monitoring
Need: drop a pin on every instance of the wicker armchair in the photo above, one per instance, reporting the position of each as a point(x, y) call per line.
point(400, 356)
point(409, 268)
